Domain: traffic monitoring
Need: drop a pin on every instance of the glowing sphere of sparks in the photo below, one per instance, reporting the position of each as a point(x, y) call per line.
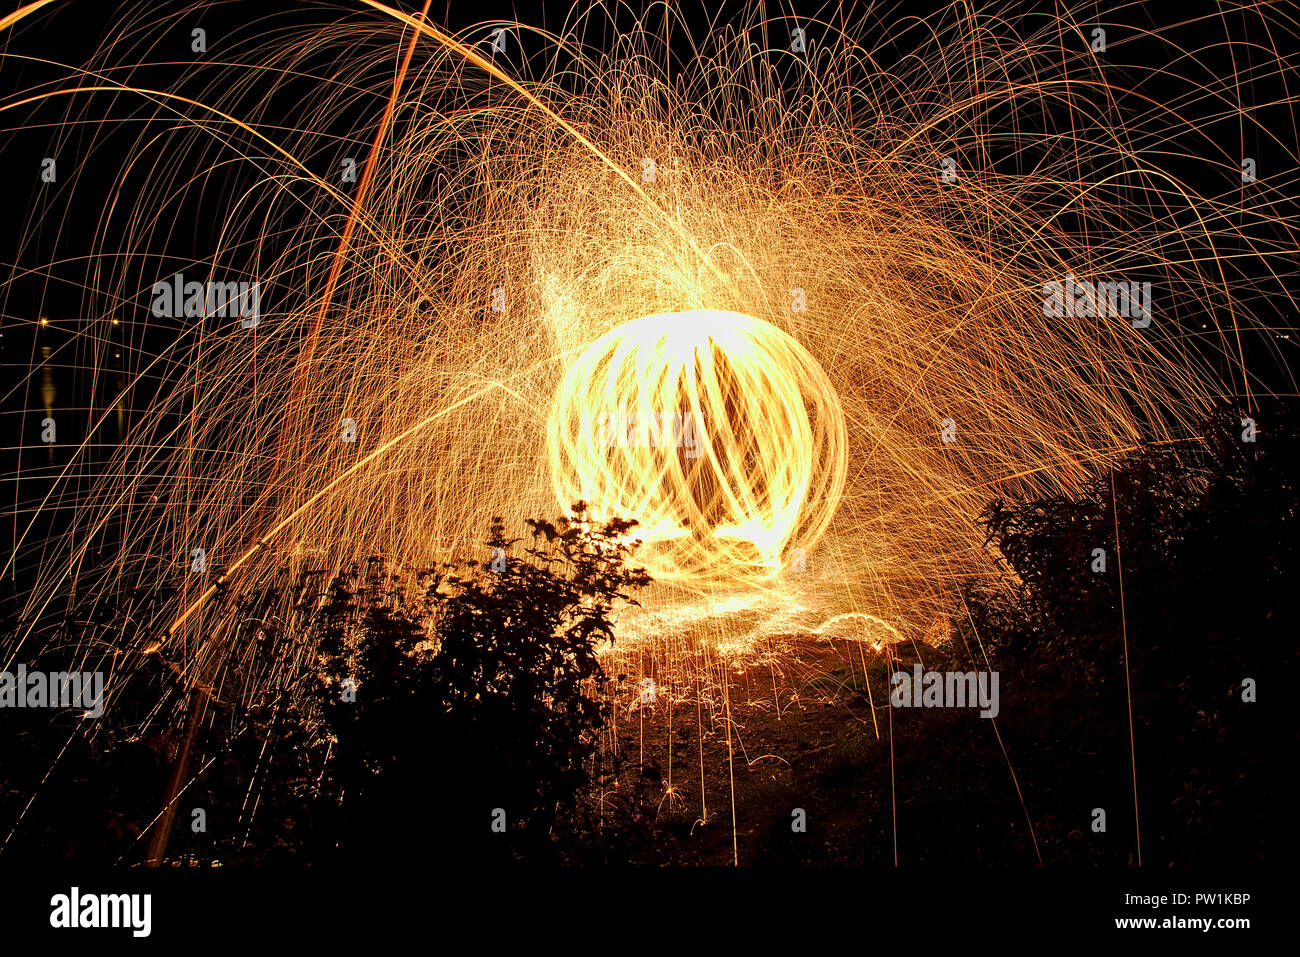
point(719, 433)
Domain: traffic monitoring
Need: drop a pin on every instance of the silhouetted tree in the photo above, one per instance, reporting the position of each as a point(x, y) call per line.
point(479, 702)
point(1209, 549)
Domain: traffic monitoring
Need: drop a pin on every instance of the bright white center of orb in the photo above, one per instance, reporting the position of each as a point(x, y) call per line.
point(718, 432)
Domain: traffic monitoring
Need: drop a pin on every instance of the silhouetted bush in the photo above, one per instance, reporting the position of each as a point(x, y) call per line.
point(481, 698)
point(1209, 550)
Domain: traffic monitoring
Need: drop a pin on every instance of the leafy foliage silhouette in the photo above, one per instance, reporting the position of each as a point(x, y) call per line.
point(504, 714)
point(1209, 550)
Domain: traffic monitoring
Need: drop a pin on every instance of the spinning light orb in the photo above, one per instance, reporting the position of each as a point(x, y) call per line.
point(719, 433)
